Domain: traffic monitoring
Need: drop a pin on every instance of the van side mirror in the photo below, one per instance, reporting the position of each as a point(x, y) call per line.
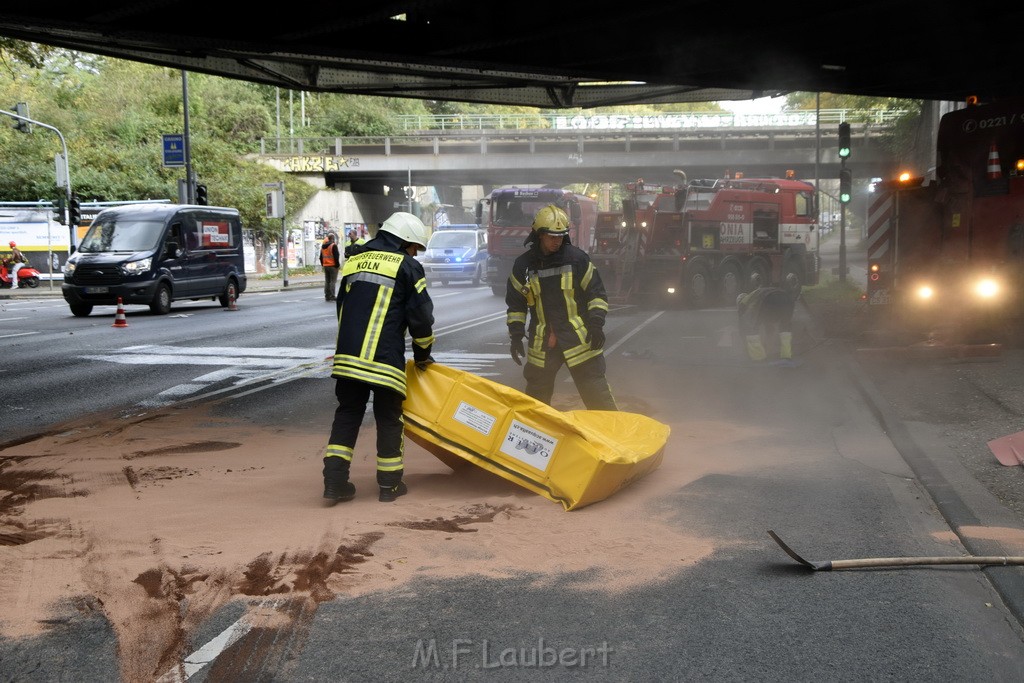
point(172, 250)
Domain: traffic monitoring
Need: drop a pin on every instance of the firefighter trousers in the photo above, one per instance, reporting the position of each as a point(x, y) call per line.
point(348, 416)
point(589, 377)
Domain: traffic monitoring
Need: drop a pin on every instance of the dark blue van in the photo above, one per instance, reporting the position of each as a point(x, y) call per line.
point(154, 254)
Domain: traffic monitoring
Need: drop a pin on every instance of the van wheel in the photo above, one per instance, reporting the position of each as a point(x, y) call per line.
point(80, 310)
point(161, 304)
point(230, 292)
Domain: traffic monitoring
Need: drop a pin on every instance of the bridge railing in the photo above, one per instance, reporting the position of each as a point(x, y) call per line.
point(694, 119)
point(477, 133)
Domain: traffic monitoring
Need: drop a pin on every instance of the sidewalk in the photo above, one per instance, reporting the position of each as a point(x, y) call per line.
point(256, 283)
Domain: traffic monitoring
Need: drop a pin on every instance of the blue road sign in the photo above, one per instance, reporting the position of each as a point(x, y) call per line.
point(174, 150)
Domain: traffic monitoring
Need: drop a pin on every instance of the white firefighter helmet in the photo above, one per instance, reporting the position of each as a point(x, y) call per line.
point(408, 228)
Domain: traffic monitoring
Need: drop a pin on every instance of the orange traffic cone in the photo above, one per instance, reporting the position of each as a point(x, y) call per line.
point(232, 306)
point(995, 171)
point(119, 319)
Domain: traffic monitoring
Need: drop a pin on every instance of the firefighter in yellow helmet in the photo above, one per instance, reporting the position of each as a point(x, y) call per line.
point(556, 289)
point(763, 312)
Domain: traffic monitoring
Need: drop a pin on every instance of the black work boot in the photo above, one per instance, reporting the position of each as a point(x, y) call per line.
point(339, 491)
point(337, 487)
point(388, 495)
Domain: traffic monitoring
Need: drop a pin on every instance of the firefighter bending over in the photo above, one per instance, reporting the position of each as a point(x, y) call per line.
point(383, 293)
point(762, 313)
point(562, 291)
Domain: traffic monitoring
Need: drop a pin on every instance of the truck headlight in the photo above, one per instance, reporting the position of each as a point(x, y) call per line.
point(987, 288)
point(924, 293)
point(140, 266)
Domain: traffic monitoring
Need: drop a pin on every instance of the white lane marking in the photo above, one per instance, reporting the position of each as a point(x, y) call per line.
point(5, 320)
point(636, 329)
point(16, 334)
point(205, 655)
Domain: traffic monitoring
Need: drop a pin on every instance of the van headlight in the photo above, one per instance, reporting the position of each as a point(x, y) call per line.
point(140, 266)
point(69, 267)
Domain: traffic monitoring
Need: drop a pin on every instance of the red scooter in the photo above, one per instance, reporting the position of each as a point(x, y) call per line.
point(27, 276)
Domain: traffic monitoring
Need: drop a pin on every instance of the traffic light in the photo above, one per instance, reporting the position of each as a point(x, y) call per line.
point(201, 197)
point(74, 211)
point(845, 185)
point(844, 140)
point(21, 109)
point(58, 211)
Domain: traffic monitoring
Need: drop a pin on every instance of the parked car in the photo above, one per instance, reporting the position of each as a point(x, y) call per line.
point(456, 253)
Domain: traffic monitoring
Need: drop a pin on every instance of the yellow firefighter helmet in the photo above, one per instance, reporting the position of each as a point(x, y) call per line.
point(552, 221)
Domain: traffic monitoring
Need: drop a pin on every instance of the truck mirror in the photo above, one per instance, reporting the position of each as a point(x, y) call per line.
point(479, 212)
point(680, 199)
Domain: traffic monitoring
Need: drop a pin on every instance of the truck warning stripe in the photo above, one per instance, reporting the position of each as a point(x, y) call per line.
point(880, 216)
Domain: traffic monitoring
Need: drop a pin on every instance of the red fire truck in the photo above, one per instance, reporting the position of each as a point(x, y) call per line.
point(705, 241)
point(508, 212)
point(946, 252)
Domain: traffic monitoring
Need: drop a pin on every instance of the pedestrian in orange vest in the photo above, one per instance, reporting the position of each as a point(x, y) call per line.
point(330, 259)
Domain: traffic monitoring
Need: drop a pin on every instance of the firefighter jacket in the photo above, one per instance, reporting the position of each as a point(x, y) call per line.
point(383, 294)
point(565, 298)
point(329, 255)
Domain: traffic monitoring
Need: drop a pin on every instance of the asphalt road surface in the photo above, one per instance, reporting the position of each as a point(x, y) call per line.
point(470, 578)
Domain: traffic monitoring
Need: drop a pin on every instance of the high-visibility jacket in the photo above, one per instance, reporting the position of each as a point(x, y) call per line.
point(564, 296)
point(329, 255)
point(382, 295)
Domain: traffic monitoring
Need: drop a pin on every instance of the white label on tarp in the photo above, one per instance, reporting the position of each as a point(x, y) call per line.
point(528, 446)
point(474, 418)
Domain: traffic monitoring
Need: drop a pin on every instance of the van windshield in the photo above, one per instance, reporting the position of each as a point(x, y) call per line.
point(111, 234)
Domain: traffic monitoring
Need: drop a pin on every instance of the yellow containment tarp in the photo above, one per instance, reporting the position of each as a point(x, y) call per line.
point(574, 458)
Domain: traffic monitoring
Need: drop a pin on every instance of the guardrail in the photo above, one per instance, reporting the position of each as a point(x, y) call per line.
point(690, 119)
point(529, 141)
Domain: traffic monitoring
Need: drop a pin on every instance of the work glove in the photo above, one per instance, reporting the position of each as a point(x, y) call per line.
point(595, 336)
point(517, 349)
point(421, 356)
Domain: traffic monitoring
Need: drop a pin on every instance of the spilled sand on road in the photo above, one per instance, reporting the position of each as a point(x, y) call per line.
point(157, 521)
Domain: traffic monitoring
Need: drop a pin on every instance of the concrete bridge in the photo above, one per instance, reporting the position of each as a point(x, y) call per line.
point(496, 150)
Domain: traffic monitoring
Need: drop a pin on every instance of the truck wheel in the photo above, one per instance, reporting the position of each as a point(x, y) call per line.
point(698, 285)
point(497, 291)
point(476, 278)
point(230, 293)
point(730, 283)
point(80, 310)
point(161, 304)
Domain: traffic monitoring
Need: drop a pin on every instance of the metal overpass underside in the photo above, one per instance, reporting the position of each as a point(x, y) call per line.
point(558, 55)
